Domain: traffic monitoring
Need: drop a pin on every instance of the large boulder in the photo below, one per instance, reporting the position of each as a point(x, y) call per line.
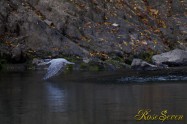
point(175, 57)
point(139, 64)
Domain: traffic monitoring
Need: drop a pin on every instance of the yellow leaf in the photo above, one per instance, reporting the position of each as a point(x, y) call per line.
point(154, 11)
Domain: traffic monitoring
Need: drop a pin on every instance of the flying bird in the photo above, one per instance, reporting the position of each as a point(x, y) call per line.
point(55, 66)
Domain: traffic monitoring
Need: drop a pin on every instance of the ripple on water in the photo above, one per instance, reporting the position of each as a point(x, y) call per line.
point(153, 78)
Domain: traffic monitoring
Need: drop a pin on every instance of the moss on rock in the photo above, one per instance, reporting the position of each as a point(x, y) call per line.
point(146, 56)
point(94, 68)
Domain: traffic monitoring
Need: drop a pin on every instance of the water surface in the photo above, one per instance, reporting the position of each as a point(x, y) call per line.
point(88, 98)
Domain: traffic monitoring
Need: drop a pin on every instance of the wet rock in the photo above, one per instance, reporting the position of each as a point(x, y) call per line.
point(139, 64)
point(175, 57)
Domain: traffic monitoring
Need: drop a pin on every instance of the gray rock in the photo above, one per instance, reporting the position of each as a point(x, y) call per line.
point(175, 57)
point(139, 64)
point(36, 61)
point(17, 53)
point(50, 23)
point(86, 60)
point(2, 28)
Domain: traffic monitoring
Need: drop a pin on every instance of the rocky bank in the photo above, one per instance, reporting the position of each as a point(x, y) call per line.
point(108, 33)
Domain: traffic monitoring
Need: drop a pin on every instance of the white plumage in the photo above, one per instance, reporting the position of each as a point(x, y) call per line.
point(55, 66)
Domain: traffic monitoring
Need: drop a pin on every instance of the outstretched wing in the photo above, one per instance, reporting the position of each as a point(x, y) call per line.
point(54, 68)
point(45, 62)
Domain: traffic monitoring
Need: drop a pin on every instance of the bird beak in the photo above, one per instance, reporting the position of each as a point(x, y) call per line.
point(70, 63)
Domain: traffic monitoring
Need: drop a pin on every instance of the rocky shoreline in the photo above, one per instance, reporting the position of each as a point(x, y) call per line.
point(174, 58)
point(174, 61)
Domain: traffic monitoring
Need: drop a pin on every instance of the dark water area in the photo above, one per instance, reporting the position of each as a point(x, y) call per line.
point(89, 98)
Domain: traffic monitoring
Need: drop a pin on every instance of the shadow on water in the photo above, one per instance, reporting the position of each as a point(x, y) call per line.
point(86, 98)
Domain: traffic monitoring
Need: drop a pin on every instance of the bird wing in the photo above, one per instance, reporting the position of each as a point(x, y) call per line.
point(54, 68)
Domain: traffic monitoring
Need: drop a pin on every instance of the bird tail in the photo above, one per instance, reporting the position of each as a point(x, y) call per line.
point(45, 78)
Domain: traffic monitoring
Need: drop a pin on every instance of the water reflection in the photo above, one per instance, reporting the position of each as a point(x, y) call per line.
point(56, 97)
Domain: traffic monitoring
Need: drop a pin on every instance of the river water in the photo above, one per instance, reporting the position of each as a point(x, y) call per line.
point(89, 98)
